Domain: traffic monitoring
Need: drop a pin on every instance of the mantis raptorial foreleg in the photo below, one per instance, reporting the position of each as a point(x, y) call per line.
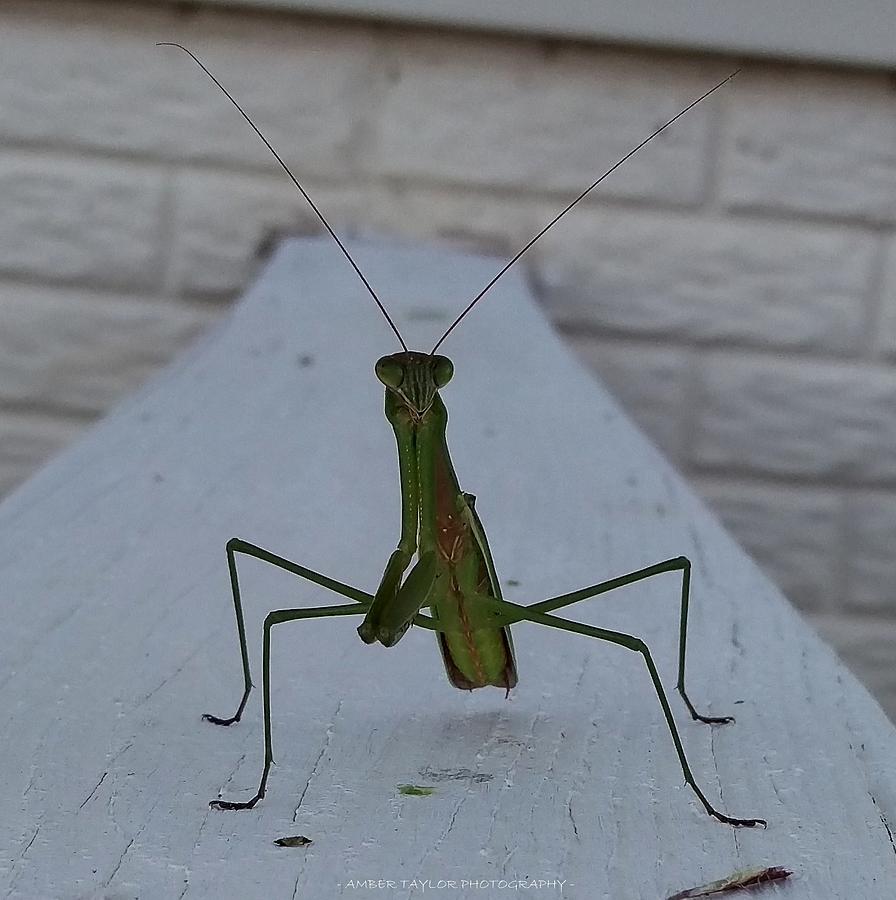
point(271, 619)
point(678, 564)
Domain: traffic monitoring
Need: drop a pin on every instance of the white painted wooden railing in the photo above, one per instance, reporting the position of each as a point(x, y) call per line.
point(119, 632)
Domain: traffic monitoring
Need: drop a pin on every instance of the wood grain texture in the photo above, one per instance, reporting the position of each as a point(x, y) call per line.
point(118, 634)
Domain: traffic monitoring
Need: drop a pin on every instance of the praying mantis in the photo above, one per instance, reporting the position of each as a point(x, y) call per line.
point(442, 562)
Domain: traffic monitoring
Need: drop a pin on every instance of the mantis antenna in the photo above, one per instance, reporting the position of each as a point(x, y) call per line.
point(295, 181)
point(506, 266)
point(561, 214)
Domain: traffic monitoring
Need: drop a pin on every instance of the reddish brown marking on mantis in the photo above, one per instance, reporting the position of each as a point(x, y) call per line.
point(453, 537)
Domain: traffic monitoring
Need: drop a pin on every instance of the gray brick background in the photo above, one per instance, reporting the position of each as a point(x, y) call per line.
point(734, 284)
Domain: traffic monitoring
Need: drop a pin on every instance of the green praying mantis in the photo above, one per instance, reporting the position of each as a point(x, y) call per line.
point(442, 562)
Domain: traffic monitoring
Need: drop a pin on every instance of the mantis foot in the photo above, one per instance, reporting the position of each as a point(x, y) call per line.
point(230, 804)
point(738, 823)
point(215, 720)
point(699, 717)
point(713, 720)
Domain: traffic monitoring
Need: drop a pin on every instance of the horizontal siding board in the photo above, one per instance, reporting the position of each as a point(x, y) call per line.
point(858, 33)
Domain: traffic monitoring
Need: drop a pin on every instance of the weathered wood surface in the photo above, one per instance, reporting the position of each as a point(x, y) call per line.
point(118, 633)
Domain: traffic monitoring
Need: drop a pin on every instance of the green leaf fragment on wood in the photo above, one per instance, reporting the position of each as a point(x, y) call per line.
point(742, 880)
point(415, 790)
point(296, 840)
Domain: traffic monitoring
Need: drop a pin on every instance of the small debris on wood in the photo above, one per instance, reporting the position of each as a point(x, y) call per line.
point(746, 878)
point(415, 790)
point(296, 840)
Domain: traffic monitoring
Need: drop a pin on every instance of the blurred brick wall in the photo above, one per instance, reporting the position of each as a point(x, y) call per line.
point(734, 284)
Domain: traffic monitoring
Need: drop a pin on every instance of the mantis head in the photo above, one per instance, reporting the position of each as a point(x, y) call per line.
point(415, 377)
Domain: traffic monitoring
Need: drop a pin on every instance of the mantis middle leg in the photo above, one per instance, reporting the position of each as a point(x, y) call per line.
point(510, 613)
point(678, 564)
point(359, 607)
point(236, 545)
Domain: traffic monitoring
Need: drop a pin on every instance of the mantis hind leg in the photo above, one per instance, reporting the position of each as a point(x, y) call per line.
point(236, 545)
point(272, 619)
point(515, 613)
point(678, 564)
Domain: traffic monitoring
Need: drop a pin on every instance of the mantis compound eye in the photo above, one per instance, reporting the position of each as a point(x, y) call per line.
point(389, 371)
point(442, 370)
